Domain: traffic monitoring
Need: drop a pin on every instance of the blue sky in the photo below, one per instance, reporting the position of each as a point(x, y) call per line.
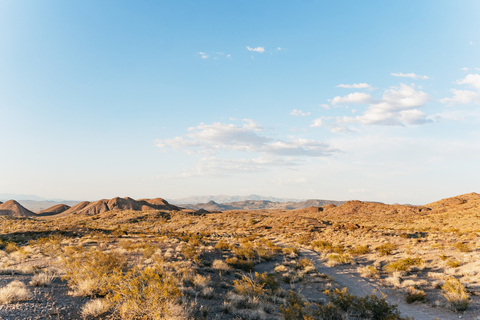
point(369, 100)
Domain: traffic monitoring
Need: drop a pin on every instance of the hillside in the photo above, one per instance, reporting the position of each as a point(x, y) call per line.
point(227, 199)
point(14, 209)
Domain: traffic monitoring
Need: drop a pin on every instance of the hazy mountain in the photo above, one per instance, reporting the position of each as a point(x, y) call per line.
point(15, 196)
point(260, 204)
point(37, 206)
point(226, 199)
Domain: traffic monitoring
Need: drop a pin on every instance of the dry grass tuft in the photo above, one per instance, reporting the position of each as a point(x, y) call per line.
point(13, 292)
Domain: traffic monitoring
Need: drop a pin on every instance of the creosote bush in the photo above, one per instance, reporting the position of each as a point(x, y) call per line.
point(342, 305)
point(386, 249)
point(403, 264)
point(456, 295)
point(90, 272)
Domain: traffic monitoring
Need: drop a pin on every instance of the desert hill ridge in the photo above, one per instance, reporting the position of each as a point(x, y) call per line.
point(117, 203)
point(222, 198)
point(14, 209)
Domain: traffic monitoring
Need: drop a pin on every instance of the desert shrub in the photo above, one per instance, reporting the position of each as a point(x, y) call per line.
point(386, 249)
point(304, 263)
point(341, 304)
point(414, 295)
point(42, 279)
point(245, 251)
point(190, 253)
point(359, 250)
point(267, 281)
point(89, 272)
point(11, 247)
point(94, 308)
point(452, 263)
point(144, 294)
point(463, 247)
point(265, 252)
point(369, 272)
point(221, 265)
point(291, 250)
point(240, 264)
point(200, 281)
point(403, 264)
point(336, 259)
point(13, 292)
point(443, 257)
point(222, 245)
point(248, 286)
point(455, 293)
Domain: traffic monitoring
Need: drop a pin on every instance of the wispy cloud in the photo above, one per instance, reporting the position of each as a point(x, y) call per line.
point(398, 106)
point(203, 55)
point(257, 49)
point(465, 96)
point(355, 86)
point(296, 112)
point(212, 138)
point(356, 97)
point(409, 75)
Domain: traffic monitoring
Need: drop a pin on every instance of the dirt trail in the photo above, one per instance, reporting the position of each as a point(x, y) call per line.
point(348, 277)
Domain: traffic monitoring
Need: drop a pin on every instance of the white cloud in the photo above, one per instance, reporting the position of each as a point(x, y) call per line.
point(325, 106)
point(217, 137)
point(355, 86)
point(296, 112)
point(204, 55)
point(279, 49)
point(462, 97)
point(464, 69)
point(356, 97)
point(257, 49)
point(472, 80)
point(317, 123)
point(465, 96)
point(409, 75)
point(398, 106)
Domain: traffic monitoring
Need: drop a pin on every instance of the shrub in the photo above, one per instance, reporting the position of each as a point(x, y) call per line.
point(456, 295)
point(336, 259)
point(386, 249)
point(452, 263)
point(267, 280)
point(190, 253)
point(222, 245)
point(144, 294)
point(221, 265)
point(94, 308)
point(11, 247)
point(463, 247)
point(200, 281)
point(358, 250)
point(414, 295)
point(248, 286)
point(403, 264)
point(89, 272)
point(240, 264)
point(369, 272)
point(13, 292)
point(42, 279)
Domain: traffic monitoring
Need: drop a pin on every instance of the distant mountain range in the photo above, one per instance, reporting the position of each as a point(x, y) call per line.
point(260, 204)
point(226, 199)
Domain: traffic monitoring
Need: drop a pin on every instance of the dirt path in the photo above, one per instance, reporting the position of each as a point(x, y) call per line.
point(347, 276)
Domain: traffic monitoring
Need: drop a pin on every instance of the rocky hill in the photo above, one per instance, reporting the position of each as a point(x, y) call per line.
point(14, 209)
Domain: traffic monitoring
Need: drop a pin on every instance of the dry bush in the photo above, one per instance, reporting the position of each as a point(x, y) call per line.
point(13, 292)
point(144, 294)
point(359, 250)
point(240, 264)
point(200, 281)
point(386, 249)
point(11, 247)
point(248, 287)
point(456, 295)
point(452, 263)
point(336, 259)
point(90, 272)
point(42, 279)
point(463, 247)
point(222, 245)
point(221, 265)
point(191, 253)
point(414, 295)
point(404, 264)
point(369, 272)
point(94, 308)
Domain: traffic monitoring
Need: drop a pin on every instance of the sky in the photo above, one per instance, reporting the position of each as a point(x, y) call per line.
point(368, 100)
